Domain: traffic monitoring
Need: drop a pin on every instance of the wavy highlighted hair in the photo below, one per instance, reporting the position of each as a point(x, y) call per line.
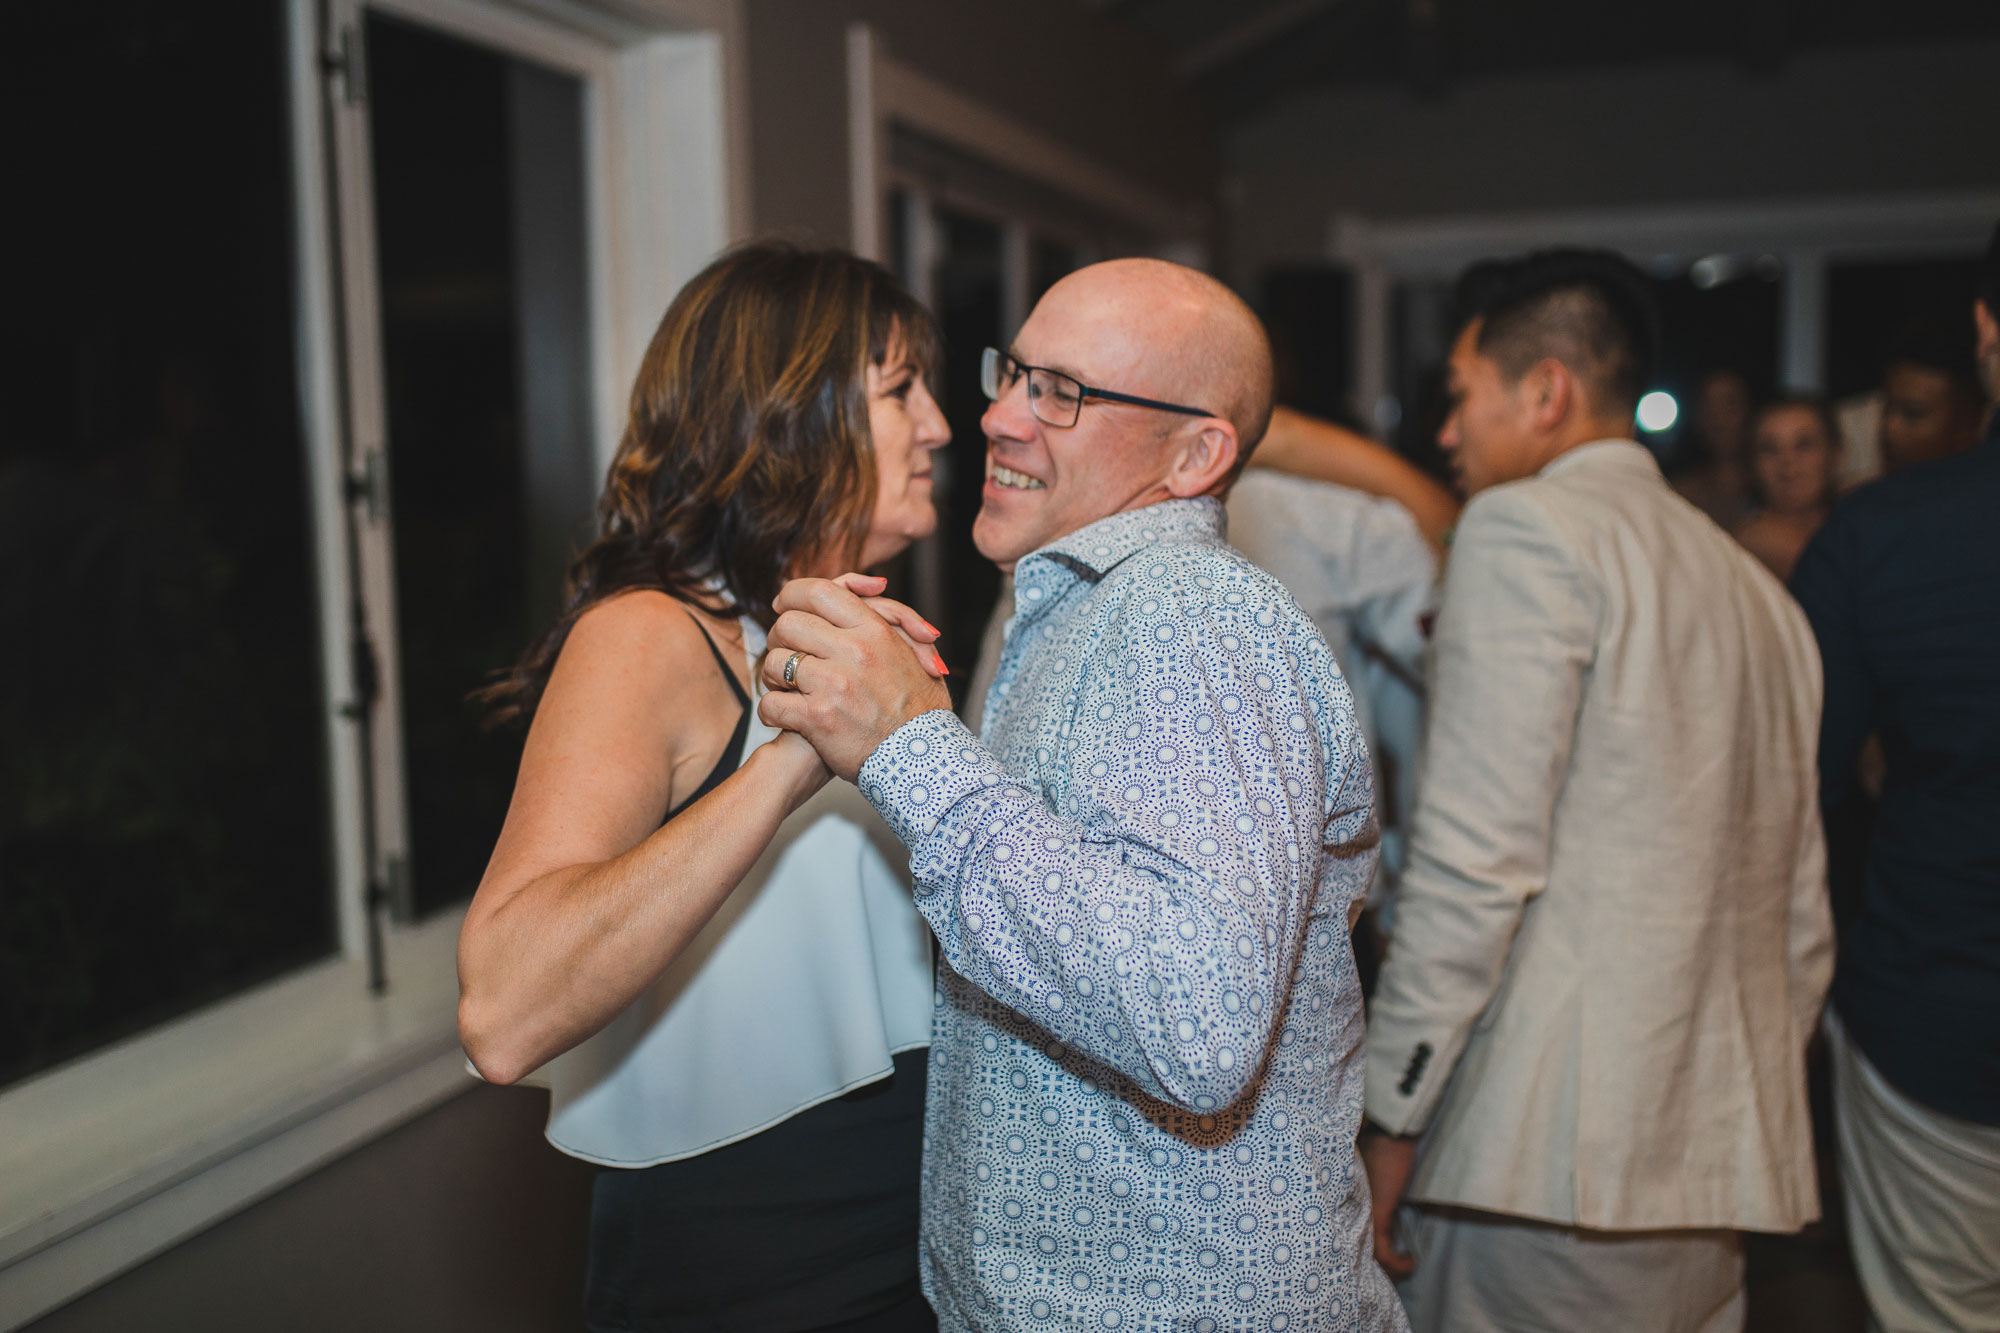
point(746, 456)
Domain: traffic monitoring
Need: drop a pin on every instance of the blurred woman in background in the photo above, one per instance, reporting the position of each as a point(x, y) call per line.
point(1794, 472)
point(697, 945)
point(1716, 479)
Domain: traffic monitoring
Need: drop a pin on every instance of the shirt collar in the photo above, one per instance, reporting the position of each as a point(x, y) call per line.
point(1627, 452)
point(1092, 551)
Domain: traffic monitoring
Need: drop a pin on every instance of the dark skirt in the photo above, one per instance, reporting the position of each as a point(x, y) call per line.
point(810, 1225)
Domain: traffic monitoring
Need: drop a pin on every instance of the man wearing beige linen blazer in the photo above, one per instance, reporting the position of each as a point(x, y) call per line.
point(1586, 1067)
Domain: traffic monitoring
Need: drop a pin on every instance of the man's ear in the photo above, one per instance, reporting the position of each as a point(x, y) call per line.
point(1207, 456)
point(1550, 393)
point(1987, 321)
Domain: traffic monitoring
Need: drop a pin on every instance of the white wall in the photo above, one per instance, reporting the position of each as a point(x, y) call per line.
point(1917, 117)
point(1098, 87)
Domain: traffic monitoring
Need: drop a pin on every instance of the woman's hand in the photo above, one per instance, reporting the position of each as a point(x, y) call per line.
point(920, 633)
point(853, 684)
point(795, 764)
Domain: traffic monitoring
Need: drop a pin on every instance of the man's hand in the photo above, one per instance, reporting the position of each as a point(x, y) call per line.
point(1387, 1160)
point(857, 678)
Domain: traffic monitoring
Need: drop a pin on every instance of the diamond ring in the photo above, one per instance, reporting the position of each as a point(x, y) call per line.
point(792, 671)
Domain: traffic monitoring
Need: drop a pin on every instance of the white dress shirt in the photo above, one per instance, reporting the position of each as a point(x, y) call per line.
point(1360, 567)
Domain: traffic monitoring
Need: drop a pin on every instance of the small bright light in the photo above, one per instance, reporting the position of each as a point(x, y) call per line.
point(1658, 411)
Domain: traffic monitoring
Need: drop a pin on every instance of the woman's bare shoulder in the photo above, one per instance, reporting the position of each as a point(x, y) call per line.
point(640, 644)
point(636, 613)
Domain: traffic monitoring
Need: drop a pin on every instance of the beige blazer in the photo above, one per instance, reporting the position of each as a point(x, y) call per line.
point(1613, 937)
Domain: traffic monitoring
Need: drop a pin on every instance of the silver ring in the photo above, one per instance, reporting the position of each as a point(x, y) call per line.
point(792, 671)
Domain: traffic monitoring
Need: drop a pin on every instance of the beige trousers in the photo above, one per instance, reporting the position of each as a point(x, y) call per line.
point(1923, 1202)
point(1485, 1273)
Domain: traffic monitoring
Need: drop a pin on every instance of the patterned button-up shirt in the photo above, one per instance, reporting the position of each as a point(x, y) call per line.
point(1145, 1070)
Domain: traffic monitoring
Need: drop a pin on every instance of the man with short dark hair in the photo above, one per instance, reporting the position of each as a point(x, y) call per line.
point(1586, 1064)
point(1902, 586)
point(1931, 399)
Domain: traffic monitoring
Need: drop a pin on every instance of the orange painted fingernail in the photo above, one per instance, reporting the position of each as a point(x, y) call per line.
point(938, 657)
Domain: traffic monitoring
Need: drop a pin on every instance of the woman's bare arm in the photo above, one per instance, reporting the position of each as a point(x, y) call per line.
point(1306, 446)
point(588, 898)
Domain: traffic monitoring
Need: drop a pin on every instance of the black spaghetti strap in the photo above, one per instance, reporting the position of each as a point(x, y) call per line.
point(732, 754)
point(735, 686)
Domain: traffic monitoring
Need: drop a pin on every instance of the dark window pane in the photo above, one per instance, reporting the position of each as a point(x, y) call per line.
point(162, 812)
point(1871, 305)
point(1308, 310)
point(480, 235)
point(1727, 320)
point(1713, 319)
point(1421, 333)
point(968, 286)
point(1048, 263)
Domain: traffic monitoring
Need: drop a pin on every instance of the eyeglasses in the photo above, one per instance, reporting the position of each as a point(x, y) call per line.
point(1057, 399)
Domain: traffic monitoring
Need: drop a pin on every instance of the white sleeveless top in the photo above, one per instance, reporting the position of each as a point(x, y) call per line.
point(816, 970)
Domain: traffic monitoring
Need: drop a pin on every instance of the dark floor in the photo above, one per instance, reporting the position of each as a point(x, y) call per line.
point(1802, 1284)
point(462, 1219)
point(1805, 1283)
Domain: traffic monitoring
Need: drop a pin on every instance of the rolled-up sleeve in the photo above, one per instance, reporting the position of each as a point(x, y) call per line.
point(1515, 635)
point(1142, 896)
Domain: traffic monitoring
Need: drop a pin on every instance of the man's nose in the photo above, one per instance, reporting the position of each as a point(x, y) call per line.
point(1008, 417)
point(1448, 432)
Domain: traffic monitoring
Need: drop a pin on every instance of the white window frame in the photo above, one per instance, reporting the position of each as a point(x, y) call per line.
point(1805, 234)
point(119, 1155)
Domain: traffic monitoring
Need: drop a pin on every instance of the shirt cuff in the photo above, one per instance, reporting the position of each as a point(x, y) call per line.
point(925, 767)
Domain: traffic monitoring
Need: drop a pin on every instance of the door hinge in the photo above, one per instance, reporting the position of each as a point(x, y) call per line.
point(369, 487)
point(341, 59)
point(364, 674)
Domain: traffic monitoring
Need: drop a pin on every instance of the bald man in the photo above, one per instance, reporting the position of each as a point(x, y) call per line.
point(1145, 1077)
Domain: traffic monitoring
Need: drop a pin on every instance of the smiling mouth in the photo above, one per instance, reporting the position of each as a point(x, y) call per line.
point(1012, 480)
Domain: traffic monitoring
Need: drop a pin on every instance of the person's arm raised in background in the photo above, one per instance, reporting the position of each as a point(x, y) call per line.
point(1306, 446)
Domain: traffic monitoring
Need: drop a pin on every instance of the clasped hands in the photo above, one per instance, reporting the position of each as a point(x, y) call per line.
point(861, 665)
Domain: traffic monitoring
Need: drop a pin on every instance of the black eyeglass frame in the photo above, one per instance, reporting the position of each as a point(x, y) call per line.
point(992, 357)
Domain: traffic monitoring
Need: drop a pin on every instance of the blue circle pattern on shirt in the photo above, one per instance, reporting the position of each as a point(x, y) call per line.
point(1176, 716)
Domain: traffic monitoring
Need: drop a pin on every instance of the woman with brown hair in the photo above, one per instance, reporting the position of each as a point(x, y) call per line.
point(1794, 473)
point(699, 946)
